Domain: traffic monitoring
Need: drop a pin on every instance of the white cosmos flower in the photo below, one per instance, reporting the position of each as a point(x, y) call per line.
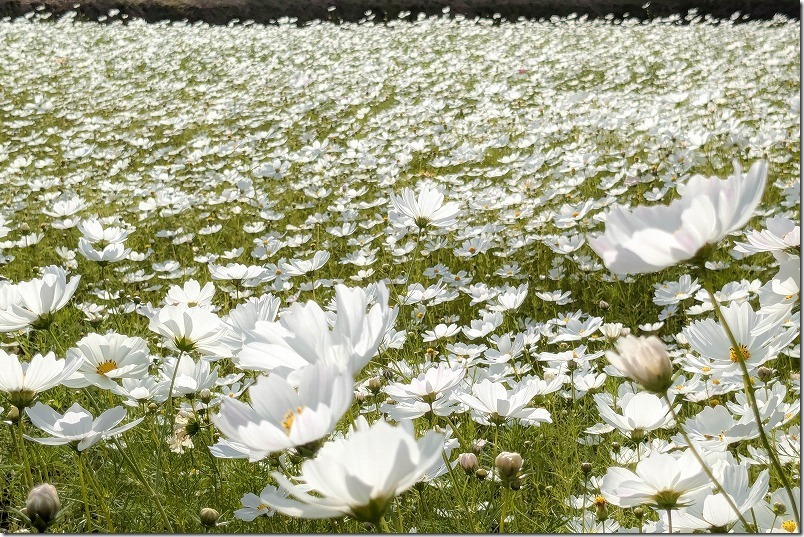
point(661, 480)
point(77, 426)
point(709, 339)
point(712, 511)
point(107, 357)
point(23, 381)
point(359, 475)
point(193, 329)
point(111, 253)
point(191, 294)
point(641, 413)
point(491, 402)
point(93, 232)
point(428, 209)
point(34, 302)
point(281, 417)
point(303, 335)
point(648, 239)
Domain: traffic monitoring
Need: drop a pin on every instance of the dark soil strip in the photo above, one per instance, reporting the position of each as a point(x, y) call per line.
point(267, 11)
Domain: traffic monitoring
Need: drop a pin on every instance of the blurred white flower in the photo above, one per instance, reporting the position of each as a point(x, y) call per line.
point(648, 239)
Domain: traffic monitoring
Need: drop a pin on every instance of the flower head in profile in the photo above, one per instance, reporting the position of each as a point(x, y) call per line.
point(34, 302)
point(644, 360)
point(77, 426)
point(359, 475)
point(660, 480)
point(24, 381)
point(425, 210)
point(648, 239)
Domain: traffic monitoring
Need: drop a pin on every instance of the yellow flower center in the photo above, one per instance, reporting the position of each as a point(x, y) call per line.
point(789, 525)
point(105, 367)
point(734, 356)
point(600, 501)
point(287, 423)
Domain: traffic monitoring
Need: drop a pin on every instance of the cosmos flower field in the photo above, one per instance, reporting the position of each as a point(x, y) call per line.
point(443, 276)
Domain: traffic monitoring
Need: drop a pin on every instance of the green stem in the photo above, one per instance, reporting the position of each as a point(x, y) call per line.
point(24, 452)
point(705, 468)
point(96, 490)
point(749, 392)
point(145, 483)
point(84, 495)
point(384, 525)
point(503, 508)
point(669, 520)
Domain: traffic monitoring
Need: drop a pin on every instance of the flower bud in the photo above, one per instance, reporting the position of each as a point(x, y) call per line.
point(209, 517)
point(603, 305)
point(468, 462)
point(639, 513)
point(481, 473)
point(13, 414)
point(508, 464)
point(205, 395)
point(586, 467)
point(779, 509)
point(764, 373)
point(374, 385)
point(42, 506)
point(644, 360)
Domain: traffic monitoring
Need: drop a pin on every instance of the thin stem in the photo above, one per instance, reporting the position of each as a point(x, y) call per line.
point(669, 520)
point(84, 495)
point(145, 483)
point(95, 489)
point(583, 505)
point(24, 452)
point(749, 392)
point(503, 509)
point(705, 468)
point(172, 382)
point(384, 525)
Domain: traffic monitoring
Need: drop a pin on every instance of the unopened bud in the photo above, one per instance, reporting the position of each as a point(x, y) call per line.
point(586, 467)
point(644, 360)
point(209, 517)
point(13, 414)
point(152, 407)
point(603, 305)
point(374, 385)
point(615, 446)
point(42, 506)
point(468, 462)
point(639, 513)
point(508, 464)
point(481, 473)
point(205, 395)
point(764, 373)
point(779, 509)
